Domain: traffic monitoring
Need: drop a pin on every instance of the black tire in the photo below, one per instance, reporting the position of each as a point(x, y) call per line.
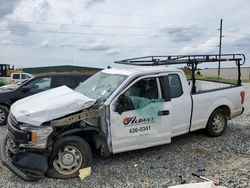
point(4, 112)
point(66, 142)
point(217, 123)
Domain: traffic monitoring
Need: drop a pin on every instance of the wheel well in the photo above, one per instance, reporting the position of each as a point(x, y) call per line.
point(3, 104)
point(226, 109)
point(90, 136)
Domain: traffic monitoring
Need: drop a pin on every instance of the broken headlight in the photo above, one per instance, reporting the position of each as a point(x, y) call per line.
point(38, 136)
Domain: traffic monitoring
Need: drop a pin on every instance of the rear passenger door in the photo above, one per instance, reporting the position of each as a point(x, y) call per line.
point(181, 103)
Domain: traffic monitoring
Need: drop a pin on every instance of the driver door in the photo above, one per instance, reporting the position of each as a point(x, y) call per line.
point(140, 117)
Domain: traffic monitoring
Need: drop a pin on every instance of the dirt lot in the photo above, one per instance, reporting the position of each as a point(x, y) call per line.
point(225, 159)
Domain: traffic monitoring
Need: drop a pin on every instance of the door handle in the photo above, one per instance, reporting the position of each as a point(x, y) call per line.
point(163, 113)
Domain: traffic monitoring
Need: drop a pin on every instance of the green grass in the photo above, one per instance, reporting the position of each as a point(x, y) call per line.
point(214, 78)
point(2, 82)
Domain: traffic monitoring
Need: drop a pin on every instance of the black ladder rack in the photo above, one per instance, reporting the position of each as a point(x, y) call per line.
point(191, 61)
point(181, 59)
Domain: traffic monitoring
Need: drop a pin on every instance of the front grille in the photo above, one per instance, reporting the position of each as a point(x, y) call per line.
point(12, 121)
point(14, 131)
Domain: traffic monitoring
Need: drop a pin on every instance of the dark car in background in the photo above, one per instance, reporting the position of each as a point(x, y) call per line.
point(36, 85)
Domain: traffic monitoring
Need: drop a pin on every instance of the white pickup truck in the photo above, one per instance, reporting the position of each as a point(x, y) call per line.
point(54, 132)
point(16, 77)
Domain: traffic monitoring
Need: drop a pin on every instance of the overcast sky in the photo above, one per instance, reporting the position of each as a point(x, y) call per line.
point(95, 33)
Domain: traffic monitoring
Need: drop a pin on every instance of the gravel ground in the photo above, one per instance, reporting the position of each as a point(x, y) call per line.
point(225, 159)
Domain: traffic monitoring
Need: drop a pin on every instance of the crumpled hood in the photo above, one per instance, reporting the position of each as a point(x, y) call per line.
point(49, 105)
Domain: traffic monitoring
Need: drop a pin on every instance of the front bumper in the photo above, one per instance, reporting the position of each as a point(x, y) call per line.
point(7, 161)
point(28, 164)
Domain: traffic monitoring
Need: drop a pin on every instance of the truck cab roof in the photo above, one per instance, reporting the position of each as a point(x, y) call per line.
point(134, 70)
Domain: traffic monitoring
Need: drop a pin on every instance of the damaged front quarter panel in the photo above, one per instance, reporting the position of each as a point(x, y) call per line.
point(95, 118)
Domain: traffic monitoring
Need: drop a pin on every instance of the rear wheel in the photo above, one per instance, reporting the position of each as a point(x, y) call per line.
point(217, 123)
point(70, 154)
point(4, 111)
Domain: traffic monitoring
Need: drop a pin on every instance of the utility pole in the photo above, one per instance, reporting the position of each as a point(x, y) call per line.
point(220, 47)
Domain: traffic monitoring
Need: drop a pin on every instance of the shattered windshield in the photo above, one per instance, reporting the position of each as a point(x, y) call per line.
point(100, 86)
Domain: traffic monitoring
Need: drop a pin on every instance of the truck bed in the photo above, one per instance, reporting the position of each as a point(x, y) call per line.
point(209, 95)
point(205, 85)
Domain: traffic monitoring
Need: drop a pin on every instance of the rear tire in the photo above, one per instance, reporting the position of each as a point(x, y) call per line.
point(70, 154)
point(217, 123)
point(4, 112)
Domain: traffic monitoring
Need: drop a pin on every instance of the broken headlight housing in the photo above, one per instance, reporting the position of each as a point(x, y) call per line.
point(38, 136)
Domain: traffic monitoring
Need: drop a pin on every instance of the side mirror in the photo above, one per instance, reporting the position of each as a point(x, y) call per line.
point(119, 107)
point(123, 104)
point(25, 89)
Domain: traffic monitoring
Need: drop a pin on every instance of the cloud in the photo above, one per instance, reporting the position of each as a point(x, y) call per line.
point(113, 51)
point(19, 29)
point(209, 46)
point(242, 41)
point(90, 3)
point(92, 44)
point(93, 47)
point(181, 34)
point(45, 44)
point(7, 7)
point(97, 45)
point(43, 4)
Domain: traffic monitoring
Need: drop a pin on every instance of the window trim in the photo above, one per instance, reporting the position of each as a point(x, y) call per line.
point(165, 88)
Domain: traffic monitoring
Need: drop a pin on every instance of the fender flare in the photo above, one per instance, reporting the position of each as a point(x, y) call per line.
point(6, 102)
point(220, 103)
point(75, 130)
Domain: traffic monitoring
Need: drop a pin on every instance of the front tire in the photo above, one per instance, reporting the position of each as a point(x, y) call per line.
point(217, 123)
point(4, 112)
point(70, 154)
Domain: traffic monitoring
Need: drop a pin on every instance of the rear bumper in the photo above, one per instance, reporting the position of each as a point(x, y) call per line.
point(27, 165)
point(236, 113)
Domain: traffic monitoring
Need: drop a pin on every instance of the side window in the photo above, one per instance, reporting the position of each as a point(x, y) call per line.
point(175, 85)
point(24, 76)
point(64, 80)
point(145, 88)
point(41, 84)
point(139, 95)
point(16, 76)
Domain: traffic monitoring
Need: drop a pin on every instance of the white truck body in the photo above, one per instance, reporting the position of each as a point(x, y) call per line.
point(117, 110)
point(135, 129)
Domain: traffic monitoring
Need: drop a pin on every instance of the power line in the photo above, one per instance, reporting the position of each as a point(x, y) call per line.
point(75, 33)
point(238, 33)
point(75, 46)
point(93, 33)
point(96, 25)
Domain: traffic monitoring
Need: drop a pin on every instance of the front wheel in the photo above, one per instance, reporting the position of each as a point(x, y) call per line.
point(217, 123)
point(70, 154)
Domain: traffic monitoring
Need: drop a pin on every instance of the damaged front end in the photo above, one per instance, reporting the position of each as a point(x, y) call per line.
point(17, 153)
point(27, 151)
point(42, 125)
